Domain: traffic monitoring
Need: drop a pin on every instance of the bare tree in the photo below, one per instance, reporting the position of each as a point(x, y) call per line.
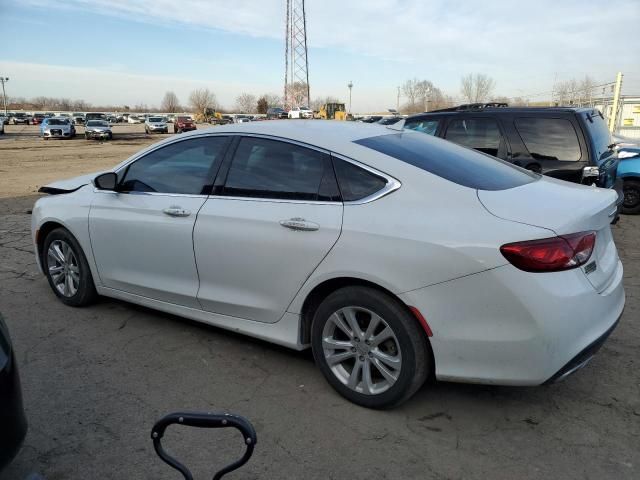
point(202, 99)
point(320, 101)
point(170, 103)
point(587, 86)
point(297, 90)
point(476, 88)
point(246, 103)
point(273, 100)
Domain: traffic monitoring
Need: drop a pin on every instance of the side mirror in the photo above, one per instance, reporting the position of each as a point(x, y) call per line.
point(590, 172)
point(106, 181)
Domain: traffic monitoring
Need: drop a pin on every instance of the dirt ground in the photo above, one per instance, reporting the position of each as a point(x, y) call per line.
point(95, 380)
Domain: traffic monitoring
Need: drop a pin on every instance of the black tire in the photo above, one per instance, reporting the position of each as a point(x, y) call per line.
point(109, 136)
point(414, 347)
point(631, 203)
point(86, 290)
point(86, 136)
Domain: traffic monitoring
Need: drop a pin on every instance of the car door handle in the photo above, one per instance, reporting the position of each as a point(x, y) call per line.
point(176, 212)
point(299, 224)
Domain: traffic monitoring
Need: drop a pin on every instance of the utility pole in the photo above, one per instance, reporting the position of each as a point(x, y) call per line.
point(616, 101)
point(4, 94)
point(296, 63)
point(350, 85)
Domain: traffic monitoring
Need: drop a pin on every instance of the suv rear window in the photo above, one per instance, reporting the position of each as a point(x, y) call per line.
point(456, 164)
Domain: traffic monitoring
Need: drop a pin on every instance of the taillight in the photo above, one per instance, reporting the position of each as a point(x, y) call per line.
point(551, 254)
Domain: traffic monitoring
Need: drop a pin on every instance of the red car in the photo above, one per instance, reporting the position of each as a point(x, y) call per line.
point(183, 124)
point(37, 118)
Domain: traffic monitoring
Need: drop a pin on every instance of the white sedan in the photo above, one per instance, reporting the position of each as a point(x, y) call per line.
point(393, 255)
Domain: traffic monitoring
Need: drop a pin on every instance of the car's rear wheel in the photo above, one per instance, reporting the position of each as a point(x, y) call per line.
point(67, 270)
point(631, 202)
point(369, 347)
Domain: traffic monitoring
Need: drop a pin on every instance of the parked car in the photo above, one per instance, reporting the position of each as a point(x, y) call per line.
point(6, 118)
point(37, 118)
point(12, 418)
point(629, 172)
point(95, 116)
point(98, 130)
point(276, 113)
point(2, 124)
point(300, 112)
point(78, 118)
point(242, 118)
point(393, 254)
point(57, 127)
point(134, 119)
point(20, 118)
point(371, 119)
point(183, 124)
point(156, 125)
point(389, 120)
point(571, 144)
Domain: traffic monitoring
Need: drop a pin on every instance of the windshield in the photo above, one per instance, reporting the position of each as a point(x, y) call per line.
point(451, 162)
point(57, 121)
point(155, 119)
point(97, 123)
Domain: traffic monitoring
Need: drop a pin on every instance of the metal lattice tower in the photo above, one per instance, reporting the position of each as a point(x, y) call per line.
point(296, 64)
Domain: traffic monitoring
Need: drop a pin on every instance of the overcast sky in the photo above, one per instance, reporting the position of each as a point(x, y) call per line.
point(132, 51)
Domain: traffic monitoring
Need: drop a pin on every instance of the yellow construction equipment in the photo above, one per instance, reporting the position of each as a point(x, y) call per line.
point(333, 111)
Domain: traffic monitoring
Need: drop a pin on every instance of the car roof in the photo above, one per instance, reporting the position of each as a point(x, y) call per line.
point(504, 110)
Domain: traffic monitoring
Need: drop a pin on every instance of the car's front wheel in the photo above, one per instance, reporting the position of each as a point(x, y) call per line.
point(631, 202)
point(369, 347)
point(67, 270)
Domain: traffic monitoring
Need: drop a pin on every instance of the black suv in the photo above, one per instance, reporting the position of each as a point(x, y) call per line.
point(276, 113)
point(571, 144)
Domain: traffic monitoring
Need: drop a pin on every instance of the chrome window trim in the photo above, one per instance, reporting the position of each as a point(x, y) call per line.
point(156, 194)
point(392, 185)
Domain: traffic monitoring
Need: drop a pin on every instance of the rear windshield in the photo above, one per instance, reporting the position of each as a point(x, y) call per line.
point(155, 119)
point(457, 164)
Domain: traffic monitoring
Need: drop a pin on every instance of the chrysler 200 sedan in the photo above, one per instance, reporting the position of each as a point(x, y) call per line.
point(394, 255)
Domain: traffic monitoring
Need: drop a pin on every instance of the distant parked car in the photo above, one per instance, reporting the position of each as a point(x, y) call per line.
point(276, 112)
point(2, 119)
point(5, 119)
point(12, 418)
point(20, 118)
point(134, 119)
point(57, 127)
point(389, 120)
point(371, 119)
point(156, 125)
point(95, 116)
point(243, 118)
point(37, 118)
point(78, 118)
point(98, 129)
point(183, 124)
point(300, 112)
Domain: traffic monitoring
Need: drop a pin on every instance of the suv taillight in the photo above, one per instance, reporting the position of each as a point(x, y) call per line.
point(551, 254)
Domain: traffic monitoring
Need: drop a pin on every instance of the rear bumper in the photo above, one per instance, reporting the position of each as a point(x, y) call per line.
point(508, 327)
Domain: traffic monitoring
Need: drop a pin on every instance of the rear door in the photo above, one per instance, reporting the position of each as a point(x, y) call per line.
point(266, 228)
point(551, 146)
point(482, 133)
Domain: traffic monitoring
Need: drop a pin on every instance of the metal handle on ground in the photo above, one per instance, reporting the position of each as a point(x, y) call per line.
point(204, 420)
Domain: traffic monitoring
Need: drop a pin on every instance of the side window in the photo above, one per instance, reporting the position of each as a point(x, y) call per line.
point(185, 167)
point(480, 134)
point(425, 126)
point(549, 138)
point(272, 169)
point(356, 183)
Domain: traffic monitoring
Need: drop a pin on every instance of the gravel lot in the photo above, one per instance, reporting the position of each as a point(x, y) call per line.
point(95, 380)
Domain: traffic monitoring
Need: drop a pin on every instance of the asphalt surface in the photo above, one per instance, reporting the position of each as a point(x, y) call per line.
point(95, 380)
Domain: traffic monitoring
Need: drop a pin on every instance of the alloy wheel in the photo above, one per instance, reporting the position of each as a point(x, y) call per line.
point(63, 268)
point(361, 350)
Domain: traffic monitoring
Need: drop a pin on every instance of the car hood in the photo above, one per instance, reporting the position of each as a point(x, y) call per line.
point(69, 185)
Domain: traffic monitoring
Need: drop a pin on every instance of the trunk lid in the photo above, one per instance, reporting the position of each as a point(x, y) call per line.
point(564, 208)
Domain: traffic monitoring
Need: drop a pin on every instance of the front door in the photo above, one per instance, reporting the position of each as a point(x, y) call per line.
point(260, 237)
point(142, 235)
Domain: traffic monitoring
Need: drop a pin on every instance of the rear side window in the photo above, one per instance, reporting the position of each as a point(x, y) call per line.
point(459, 165)
point(272, 169)
point(481, 134)
point(356, 183)
point(425, 126)
point(549, 138)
